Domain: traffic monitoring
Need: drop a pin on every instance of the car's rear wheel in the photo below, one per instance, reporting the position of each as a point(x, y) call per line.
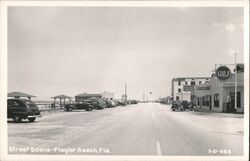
point(89, 109)
point(17, 119)
point(31, 119)
point(69, 109)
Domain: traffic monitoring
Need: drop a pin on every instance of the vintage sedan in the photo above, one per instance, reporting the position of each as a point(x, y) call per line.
point(19, 109)
point(85, 105)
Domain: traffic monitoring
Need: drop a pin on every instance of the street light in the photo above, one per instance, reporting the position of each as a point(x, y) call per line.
point(235, 95)
point(233, 52)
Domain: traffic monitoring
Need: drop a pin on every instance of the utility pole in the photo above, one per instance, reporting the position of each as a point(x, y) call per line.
point(235, 88)
point(125, 92)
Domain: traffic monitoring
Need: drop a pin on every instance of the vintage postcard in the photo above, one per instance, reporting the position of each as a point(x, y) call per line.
point(124, 80)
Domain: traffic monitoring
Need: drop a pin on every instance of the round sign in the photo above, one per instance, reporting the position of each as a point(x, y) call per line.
point(223, 73)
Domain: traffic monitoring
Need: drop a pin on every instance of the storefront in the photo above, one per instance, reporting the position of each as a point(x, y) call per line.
point(218, 95)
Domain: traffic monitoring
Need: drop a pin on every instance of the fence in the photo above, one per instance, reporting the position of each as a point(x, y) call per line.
point(47, 106)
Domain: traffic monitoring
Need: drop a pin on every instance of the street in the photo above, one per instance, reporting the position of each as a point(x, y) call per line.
point(141, 129)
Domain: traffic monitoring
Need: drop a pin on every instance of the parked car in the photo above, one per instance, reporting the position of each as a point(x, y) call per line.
point(19, 109)
point(97, 103)
point(192, 105)
point(111, 103)
point(121, 103)
point(176, 105)
point(133, 102)
point(108, 102)
point(86, 105)
point(185, 105)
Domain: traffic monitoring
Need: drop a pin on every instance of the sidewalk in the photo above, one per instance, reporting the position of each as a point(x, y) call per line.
point(202, 111)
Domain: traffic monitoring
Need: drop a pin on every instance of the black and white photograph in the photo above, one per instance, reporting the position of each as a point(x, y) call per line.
point(124, 81)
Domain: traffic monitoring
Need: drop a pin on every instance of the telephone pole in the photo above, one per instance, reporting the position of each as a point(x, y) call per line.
point(235, 83)
point(126, 92)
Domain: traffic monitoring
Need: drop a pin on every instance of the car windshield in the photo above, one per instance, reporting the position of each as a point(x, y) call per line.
point(30, 103)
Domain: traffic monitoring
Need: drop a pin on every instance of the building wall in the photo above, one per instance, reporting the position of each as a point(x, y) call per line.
point(239, 89)
point(108, 95)
point(222, 88)
point(186, 86)
point(117, 96)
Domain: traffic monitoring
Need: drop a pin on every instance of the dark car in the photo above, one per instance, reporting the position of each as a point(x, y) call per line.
point(176, 105)
point(133, 102)
point(19, 109)
point(98, 103)
point(86, 105)
point(121, 103)
point(185, 105)
point(109, 103)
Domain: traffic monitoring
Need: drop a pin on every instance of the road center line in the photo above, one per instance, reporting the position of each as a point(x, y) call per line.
point(153, 115)
point(158, 148)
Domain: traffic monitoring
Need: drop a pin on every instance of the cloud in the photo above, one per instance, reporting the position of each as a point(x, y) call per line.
point(228, 26)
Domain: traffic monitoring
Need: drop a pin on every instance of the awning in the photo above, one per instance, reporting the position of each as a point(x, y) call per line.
point(20, 94)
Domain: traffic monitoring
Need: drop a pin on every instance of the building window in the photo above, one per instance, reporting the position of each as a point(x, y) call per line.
point(203, 101)
point(179, 90)
point(206, 82)
point(179, 83)
point(238, 100)
point(200, 82)
point(216, 100)
point(207, 101)
point(192, 97)
point(193, 83)
point(198, 101)
point(186, 83)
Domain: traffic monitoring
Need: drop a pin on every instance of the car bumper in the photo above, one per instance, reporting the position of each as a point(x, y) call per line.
point(34, 116)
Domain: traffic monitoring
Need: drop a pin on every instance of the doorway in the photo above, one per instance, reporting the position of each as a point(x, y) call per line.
point(232, 104)
point(210, 102)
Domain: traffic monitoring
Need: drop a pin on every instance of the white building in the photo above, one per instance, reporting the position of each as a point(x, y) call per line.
point(213, 95)
point(111, 95)
point(108, 95)
point(183, 87)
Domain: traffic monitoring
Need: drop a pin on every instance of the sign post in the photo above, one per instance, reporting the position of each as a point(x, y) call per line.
point(235, 88)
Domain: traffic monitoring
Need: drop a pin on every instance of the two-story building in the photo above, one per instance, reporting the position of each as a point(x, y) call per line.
point(183, 87)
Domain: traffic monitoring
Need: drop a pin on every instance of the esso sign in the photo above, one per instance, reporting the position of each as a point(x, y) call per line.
point(223, 73)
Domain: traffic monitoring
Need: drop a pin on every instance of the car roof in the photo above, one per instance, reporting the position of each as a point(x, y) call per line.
point(14, 99)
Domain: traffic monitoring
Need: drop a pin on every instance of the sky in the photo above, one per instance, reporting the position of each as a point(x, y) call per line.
point(73, 50)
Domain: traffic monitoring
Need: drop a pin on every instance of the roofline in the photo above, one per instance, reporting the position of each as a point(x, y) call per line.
point(59, 96)
point(26, 99)
point(23, 94)
point(191, 78)
point(84, 94)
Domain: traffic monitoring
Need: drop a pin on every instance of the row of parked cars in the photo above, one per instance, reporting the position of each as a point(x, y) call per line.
point(19, 109)
point(94, 103)
point(182, 105)
point(97, 103)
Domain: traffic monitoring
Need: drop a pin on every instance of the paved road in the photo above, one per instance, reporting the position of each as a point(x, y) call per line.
point(142, 129)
